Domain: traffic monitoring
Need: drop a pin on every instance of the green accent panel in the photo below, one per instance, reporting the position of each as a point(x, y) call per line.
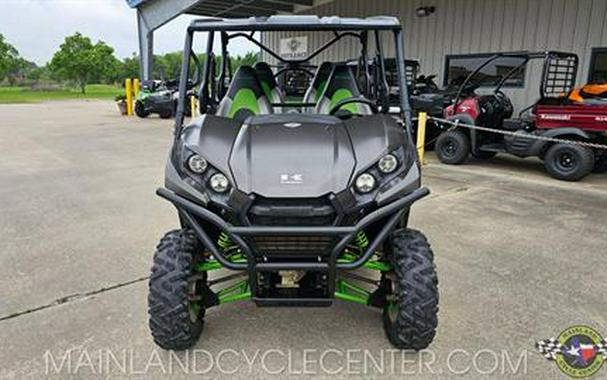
point(267, 90)
point(350, 298)
point(214, 264)
point(238, 291)
point(378, 265)
point(320, 91)
point(235, 297)
point(350, 292)
point(245, 98)
point(144, 94)
point(381, 266)
point(342, 94)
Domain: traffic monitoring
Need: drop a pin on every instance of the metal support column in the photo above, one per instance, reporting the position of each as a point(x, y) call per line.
point(146, 47)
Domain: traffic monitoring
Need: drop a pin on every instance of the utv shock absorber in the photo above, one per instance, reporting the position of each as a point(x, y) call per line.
point(224, 241)
point(361, 240)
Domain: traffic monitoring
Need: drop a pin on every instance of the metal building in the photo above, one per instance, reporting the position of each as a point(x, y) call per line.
point(463, 27)
point(434, 29)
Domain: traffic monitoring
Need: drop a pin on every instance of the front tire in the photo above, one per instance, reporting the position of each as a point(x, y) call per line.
point(176, 321)
point(140, 109)
point(569, 162)
point(452, 147)
point(410, 315)
point(600, 165)
point(166, 114)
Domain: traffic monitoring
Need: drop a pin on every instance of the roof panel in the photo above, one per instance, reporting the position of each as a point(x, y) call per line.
point(274, 5)
point(135, 3)
point(296, 22)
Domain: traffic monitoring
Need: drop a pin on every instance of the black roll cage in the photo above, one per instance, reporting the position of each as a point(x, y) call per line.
point(207, 90)
point(547, 56)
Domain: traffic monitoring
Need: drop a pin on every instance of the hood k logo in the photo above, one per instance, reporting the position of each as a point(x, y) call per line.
point(291, 179)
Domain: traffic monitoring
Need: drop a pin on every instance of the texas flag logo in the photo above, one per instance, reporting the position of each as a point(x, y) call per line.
point(578, 351)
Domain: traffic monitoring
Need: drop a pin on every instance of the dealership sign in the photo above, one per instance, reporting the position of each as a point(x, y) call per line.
point(294, 47)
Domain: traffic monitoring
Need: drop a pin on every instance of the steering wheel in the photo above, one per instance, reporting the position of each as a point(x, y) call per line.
point(280, 72)
point(499, 94)
point(504, 103)
point(360, 100)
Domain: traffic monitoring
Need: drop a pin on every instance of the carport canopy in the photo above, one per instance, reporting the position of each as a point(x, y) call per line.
point(152, 14)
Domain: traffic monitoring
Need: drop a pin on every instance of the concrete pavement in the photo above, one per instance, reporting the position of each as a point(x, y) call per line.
point(520, 257)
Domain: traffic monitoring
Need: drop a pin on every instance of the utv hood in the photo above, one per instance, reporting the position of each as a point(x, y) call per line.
point(292, 156)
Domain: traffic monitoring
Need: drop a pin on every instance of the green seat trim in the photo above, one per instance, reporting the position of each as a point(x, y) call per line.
point(245, 98)
point(322, 86)
point(340, 95)
point(267, 90)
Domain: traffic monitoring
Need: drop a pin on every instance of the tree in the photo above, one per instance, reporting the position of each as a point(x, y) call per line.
point(8, 57)
point(129, 68)
point(81, 62)
point(250, 58)
point(19, 70)
point(168, 65)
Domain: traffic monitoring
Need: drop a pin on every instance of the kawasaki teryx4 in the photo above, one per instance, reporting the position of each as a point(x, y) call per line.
point(293, 196)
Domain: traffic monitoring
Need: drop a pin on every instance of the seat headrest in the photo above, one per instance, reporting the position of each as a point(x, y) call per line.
point(341, 78)
point(265, 74)
point(245, 77)
point(322, 74)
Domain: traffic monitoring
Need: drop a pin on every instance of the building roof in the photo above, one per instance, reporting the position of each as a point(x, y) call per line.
point(236, 8)
point(296, 22)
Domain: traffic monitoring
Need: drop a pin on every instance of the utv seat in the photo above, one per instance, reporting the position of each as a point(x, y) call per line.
point(245, 96)
point(268, 83)
point(318, 84)
point(341, 85)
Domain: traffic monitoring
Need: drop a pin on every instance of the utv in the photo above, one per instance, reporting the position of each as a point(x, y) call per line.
point(532, 134)
point(293, 196)
point(160, 97)
point(424, 94)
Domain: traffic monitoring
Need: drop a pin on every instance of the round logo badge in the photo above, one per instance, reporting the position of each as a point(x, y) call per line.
point(292, 125)
point(580, 351)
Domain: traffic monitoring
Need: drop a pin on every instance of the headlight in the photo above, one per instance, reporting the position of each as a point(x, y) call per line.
point(387, 164)
point(197, 164)
point(365, 183)
point(219, 183)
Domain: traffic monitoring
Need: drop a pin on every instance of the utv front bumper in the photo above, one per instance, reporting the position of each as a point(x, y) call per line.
point(193, 214)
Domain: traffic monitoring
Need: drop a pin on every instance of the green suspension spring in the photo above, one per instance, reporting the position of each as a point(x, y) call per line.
point(361, 240)
point(224, 241)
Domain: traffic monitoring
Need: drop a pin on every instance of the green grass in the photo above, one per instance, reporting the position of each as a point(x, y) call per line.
point(26, 95)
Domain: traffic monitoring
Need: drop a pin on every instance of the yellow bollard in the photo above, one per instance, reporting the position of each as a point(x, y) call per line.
point(128, 86)
point(136, 88)
point(193, 106)
point(422, 118)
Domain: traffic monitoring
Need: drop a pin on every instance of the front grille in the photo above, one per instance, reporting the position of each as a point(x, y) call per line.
point(293, 245)
point(292, 212)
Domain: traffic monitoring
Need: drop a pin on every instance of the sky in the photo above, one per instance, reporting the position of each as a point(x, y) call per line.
point(37, 27)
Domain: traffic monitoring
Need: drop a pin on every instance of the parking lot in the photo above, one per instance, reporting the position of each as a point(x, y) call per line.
point(520, 257)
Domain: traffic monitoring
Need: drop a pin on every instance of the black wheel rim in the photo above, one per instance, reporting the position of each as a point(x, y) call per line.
point(566, 161)
point(449, 148)
point(392, 306)
point(195, 282)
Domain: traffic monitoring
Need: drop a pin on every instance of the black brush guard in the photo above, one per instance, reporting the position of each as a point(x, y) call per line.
point(345, 234)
